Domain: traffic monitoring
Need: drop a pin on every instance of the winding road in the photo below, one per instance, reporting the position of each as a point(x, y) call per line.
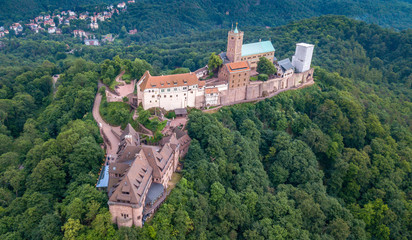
point(105, 128)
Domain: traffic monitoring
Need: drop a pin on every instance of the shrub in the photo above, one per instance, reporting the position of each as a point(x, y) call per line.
point(263, 77)
point(102, 91)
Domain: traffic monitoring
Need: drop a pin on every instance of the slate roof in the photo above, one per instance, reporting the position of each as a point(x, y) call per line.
point(257, 48)
point(155, 191)
point(285, 64)
point(224, 58)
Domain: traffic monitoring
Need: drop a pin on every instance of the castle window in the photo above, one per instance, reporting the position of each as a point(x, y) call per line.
point(233, 38)
point(175, 89)
point(168, 89)
point(170, 95)
point(164, 96)
point(153, 96)
point(162, 90)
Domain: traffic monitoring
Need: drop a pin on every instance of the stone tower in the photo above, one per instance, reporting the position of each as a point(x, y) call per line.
point(303, 57)
point(234, 45)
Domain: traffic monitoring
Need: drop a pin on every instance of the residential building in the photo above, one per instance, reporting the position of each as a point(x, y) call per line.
point(51, 30)
point(91, 42)
point(121, 5)
point(79, 33)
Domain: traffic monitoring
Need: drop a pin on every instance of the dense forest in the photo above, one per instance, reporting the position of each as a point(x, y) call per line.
point(331, 161)
point(148, 16)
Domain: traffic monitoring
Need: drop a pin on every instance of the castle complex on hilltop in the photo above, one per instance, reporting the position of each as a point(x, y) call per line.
point(233, 83)
point(136, 177)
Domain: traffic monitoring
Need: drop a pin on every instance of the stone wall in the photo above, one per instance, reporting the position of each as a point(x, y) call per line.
point(134, 215)
point(260, 89)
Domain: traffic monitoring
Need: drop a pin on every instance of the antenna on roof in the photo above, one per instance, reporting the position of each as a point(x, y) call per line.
point(232, 26)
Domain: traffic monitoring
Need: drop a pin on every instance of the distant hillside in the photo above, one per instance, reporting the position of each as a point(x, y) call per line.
point(160, 17)
point(168, 17)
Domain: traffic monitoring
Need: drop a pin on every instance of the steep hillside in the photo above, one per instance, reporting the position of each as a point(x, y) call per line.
point(157, 17)
point(332, 161)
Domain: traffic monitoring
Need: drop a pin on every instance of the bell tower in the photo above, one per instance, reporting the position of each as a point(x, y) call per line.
point(234, 45)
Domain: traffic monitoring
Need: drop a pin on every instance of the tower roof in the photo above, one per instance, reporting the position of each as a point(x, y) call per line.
point(236, 31)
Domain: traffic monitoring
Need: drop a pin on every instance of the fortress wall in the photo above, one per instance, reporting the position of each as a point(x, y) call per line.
point(253, 91)
point(234, 95)
point(260, 89)
point(268, 86)
point(301, 78)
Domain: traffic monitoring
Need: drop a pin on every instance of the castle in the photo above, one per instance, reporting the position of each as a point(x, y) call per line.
point(233, 82)
point(136, 178)
point(137, 175)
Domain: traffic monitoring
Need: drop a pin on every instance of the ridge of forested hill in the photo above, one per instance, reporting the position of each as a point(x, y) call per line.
point(332, 161)
point(149, 16)
point(159, 17)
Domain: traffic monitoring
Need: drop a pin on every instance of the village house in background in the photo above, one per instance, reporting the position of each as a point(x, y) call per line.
point(50, 23)
point(233, 83)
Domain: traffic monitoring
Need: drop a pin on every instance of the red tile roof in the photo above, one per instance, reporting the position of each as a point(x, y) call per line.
point(238, 66)
point(168, 81)
point(211, 90)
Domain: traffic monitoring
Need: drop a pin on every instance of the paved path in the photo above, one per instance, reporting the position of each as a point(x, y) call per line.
point(55, 78)
point(105, 128)
point(122, 90)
